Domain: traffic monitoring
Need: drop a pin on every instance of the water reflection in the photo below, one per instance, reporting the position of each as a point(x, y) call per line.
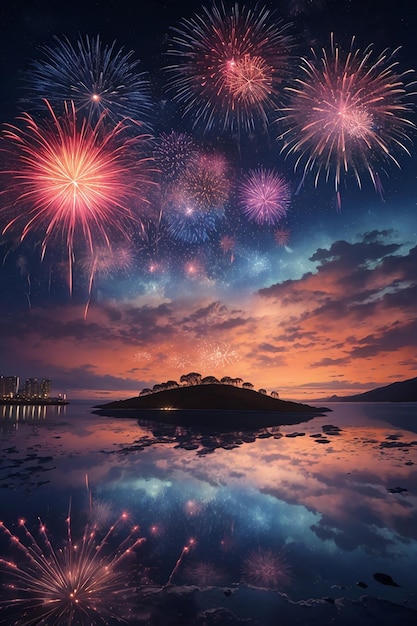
point(16, 413)
point(334, 499)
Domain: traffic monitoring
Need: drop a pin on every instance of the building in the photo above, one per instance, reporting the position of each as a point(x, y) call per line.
point(9, 386)
point(32, 388)
point(45, 389)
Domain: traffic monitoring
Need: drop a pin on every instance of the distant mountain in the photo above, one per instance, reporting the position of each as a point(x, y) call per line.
point(215, 403)
point(405, 391)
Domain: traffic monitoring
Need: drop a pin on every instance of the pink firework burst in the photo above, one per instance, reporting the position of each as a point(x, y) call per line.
point(74, 182)
point(265, 196)
point(229, 64)
point(264, 568)
point(348, 113)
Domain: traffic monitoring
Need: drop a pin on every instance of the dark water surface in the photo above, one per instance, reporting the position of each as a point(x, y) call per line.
point(270, 519)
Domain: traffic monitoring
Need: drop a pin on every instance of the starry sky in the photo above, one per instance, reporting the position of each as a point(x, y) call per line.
point(318, 302)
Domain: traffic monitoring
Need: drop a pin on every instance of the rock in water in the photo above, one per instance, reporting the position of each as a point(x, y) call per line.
point(385, 579)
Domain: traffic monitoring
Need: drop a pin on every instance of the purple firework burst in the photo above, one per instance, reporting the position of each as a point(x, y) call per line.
point(265, 196)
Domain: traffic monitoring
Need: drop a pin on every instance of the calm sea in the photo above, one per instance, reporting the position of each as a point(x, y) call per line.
point(306, 511)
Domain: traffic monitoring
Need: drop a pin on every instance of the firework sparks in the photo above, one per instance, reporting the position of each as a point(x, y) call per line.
point(81, 583)
point(173, 152)
point(228, 66)
point(97, 78)
point(75, 182)
point(264, 568)
point(348, 114)
point(265, 196)
point(217, 354)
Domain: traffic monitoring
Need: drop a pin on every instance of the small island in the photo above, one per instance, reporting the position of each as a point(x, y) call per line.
point(211, 404)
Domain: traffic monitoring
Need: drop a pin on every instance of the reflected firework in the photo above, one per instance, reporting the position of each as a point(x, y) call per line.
point(80, 583)
point(74, 183)
point(282, 236)
point(97, 78)
point(228, 66)
point(348, 113)
point(265, 196)
point(264, 568)
point(203, 573)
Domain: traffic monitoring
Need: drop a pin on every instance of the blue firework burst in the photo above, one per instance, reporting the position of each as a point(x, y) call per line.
point(96, 77)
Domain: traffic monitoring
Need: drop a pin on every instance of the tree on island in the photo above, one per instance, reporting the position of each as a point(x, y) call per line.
point(191, 379)
point(210, 380)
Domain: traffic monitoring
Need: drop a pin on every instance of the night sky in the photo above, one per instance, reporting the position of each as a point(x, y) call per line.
point(312, 297)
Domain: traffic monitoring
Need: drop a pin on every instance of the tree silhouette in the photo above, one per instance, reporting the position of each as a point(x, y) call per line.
point(210, 380)
point(274, 394)
point(247, 386)
point(193, 378)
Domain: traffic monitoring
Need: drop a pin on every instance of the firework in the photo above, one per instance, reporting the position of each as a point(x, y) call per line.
point(215, 354)
point(173, 152)
point(265, 196)
point(204, 184)
point(80, 583)
point(264, 568)
point(228, 66)
point(198, 202)
point(203, 574)
point(97, 78)
point(106, 261)
point(190, 226)
point(348, 113)
point(74, 182)
point(186, 549)
point(282, 236)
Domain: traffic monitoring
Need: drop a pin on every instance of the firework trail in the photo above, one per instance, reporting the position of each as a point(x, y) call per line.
point(228, 66)
point(347, 113)
point(265, 196)
point(74, 182)
point(81, 583)
point(190, 543)
point(99, 79)
point(106, 261)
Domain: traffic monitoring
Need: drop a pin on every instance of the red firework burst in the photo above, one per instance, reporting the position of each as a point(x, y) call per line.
point(74, 182)
point(348, 113)
point(229, 65)
point(265, 196)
